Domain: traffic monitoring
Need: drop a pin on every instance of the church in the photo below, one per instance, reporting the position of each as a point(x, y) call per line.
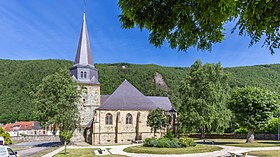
point(117, 118)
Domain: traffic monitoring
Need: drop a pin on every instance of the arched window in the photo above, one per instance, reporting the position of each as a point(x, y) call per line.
point(169, 119)
point(109, 119)
point(128, 119)
point(82, 74)
point(85, 74)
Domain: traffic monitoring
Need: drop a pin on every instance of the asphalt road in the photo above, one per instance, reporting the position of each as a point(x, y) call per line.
point(36, 147)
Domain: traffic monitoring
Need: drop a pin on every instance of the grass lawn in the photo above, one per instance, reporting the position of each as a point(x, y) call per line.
point(241, 143)
point(85, 152)
point(270, 153)
point(44, 152)
point(188, 150)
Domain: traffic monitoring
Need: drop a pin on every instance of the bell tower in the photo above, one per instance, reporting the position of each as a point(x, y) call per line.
point(86, 75)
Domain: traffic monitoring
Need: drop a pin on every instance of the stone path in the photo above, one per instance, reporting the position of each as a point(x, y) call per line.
point(119, 150)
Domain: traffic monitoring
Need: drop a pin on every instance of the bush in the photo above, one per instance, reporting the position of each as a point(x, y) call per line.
point(241, 131)
point(169, 142)
point(187, 142)
point(150, 142)
point(169, 135)
point(6, 136)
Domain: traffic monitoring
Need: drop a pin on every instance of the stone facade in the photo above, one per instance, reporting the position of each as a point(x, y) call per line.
point(119, 131)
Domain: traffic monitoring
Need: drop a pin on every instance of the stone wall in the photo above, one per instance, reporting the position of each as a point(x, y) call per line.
point(124, 133)
point(35, 138)
point(236, 136)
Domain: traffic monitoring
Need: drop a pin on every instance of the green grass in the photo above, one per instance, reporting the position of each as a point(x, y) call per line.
point(241, 143)
point(85, 152)
point(270, 153)
point(43, 152)
point(188, 150)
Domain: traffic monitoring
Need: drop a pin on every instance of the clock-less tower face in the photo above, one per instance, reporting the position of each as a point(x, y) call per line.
point(89, 101)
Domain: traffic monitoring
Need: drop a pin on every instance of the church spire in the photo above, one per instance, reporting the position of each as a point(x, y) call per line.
point(84, 55)
point(83, 70)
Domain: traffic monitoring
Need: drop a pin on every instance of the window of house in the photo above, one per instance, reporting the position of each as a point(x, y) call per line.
point(85, 74)
point(109, 119)
point(82, 74)
point(128, 119)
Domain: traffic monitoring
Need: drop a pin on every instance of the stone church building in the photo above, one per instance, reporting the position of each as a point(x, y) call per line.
point(117, 118)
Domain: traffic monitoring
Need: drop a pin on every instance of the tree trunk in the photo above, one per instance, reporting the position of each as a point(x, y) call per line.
point(65, 147)
point(203, 134)
point(155, 132)
point(250, 136)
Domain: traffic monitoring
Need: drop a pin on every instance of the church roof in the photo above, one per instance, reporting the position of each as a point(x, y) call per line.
point(127, 97)
point(84, 55)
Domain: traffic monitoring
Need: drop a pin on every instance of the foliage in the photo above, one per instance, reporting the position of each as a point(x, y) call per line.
point(169, 142)
point(20, 78)
point(157, 119)
point(66, 136)
point(253, 106)
point(6, 136)
point(169, 135)
point(186, 142)
point(200, 23)
point(55, 101)
point(203, 96)
point(241, 131)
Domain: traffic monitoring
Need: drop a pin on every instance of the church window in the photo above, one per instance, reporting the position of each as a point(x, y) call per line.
point(84, 91)
point(169, 119)
point(82, 74)
point(85, 74)
point(109, 119)
point(128, 119)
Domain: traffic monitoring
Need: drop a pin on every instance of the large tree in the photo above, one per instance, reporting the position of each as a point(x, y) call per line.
point(203, 96)
point(200, 23)
point(55, 101)
point(157, 119)
point(253, 107)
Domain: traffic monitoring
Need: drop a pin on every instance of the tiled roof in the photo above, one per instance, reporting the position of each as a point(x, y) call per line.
point(8, 127)
point(127, 97)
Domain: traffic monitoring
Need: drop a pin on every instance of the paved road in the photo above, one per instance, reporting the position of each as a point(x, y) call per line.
point(36, 147)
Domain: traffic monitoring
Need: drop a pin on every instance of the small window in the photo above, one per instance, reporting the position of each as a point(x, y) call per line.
point(109, 119)
point(82, 74)
point(85, 74)
point(10, 151)
point(128, 119)
point(169, 119)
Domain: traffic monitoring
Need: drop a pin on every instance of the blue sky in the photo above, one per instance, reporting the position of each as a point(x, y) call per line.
point(49, 29)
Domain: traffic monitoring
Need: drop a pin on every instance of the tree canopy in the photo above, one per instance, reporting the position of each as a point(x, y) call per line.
point(200, 23)
point(253, 107)
point(203, 96)
point(55, 101)
point(157, 119)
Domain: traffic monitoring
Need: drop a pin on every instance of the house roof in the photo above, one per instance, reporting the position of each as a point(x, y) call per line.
point(24, 125)
point(8, 127)
point(127, 97)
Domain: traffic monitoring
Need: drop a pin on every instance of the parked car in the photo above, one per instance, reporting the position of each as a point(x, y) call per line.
point(2, 141)
point(6, 151)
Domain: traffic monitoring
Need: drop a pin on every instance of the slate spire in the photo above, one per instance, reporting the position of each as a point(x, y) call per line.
point(83, 70)
point(84, 55)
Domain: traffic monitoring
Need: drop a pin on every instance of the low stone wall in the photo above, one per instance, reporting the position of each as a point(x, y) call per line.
point(35, 138)
point(236, 136)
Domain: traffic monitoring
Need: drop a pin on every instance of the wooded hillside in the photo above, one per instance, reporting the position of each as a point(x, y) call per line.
point(18, 79)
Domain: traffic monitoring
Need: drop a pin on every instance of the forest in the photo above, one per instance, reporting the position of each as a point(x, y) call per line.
point(19, 80)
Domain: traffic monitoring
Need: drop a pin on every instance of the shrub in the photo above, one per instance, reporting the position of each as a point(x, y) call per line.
point(6, 136)
point(168, 143)
point(241, 131)
point(150, 142)
point(169, 135)
point(186, 142)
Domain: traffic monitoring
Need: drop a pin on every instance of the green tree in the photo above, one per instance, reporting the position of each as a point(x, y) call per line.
point(253, 107)
point(203, 96)
point(157, 119)
point(55, 101)
point(6, 136)
point(66, 136)
point(200, 23)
